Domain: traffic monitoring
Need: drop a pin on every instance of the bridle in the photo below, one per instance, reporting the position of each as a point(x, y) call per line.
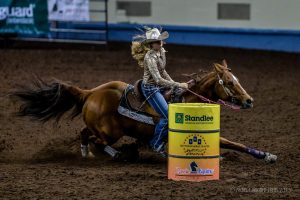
point(227, 91)
point(194, 81)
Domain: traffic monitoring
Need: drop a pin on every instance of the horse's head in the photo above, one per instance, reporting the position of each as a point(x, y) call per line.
point(228, 88)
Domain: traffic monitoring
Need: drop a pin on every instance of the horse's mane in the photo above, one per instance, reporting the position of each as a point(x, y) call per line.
point(198, 76)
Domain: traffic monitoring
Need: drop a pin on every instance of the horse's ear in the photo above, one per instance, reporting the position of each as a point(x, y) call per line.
point(224, 63)
point(218, 68)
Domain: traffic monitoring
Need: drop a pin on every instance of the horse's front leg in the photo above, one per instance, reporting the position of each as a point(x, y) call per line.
point(227, 144)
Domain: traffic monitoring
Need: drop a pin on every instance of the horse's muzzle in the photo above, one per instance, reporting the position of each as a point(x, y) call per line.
point(247, 104)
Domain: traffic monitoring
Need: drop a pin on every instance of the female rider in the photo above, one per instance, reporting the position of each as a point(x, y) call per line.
point(155, 81)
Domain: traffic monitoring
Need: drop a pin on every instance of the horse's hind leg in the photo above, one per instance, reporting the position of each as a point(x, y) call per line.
point(100, 143)
point(84, 137)
point(107, 135)
point(227, 144)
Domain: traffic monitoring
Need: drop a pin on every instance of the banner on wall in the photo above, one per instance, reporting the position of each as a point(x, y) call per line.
point(68, 10)
point(23, 16)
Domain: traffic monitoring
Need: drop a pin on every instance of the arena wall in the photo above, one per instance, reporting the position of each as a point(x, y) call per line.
point(254, 24)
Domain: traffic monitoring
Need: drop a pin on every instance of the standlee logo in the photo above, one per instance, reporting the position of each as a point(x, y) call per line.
point(179, 118)
point(202, 118)
point(19, 12)
point(189, 118)
point(194, 170)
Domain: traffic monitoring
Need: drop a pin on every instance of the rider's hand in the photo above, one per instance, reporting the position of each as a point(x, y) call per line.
point(184, 85)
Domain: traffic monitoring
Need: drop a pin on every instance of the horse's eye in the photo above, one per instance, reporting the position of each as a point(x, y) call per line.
point(230, 83)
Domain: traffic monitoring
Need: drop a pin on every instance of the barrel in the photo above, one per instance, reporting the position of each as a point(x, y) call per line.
point(194, 141)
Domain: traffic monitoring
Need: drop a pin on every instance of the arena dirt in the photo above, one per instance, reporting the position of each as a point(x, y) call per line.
point(42, 161)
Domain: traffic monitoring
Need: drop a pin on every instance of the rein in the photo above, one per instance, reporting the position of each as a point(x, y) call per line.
point(219, 102)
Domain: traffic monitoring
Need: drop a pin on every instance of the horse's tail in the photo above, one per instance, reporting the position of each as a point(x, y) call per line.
point(45, 101)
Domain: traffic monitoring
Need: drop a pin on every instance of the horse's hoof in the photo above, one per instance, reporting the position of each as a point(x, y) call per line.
point(270, 158)
point(84, 151)
point(91, 155)
point(117, 156)
point(130, 153)
point(221, 158)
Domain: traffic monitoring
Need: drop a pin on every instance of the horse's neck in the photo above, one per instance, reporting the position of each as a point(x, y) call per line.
point(204, 87)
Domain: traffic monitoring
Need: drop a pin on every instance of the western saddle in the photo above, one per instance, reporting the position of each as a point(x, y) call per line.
point(134, 105)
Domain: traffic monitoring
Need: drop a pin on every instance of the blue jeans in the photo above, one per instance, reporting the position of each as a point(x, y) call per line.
point(156, 100)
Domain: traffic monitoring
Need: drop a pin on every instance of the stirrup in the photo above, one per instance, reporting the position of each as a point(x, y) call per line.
point(160, 147)
point(161, 150)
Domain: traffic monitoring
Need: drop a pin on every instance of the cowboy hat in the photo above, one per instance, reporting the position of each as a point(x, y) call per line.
point(153, 35)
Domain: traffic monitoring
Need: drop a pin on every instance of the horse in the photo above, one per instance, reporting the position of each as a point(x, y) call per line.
point(50, 100)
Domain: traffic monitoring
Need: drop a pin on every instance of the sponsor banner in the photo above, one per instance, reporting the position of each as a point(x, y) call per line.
point(194, 144)
point(68, 10)
point(23, 16)
point(193, 169)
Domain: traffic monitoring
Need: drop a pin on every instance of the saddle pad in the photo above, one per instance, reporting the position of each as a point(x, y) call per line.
point(136, 116)
point(126, 110)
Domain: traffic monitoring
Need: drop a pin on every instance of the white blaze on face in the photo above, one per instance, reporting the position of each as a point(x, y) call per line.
point(235, 78)
point(237, 81)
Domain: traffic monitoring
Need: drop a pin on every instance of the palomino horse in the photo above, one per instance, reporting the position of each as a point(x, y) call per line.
point(99, 108)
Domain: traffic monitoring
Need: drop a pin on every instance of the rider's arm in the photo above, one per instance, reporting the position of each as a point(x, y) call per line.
point(163, 55)
point(152, 66)
point(165, 73)
point(167, 76)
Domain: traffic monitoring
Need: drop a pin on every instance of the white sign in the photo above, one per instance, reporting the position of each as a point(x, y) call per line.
point(68, 10)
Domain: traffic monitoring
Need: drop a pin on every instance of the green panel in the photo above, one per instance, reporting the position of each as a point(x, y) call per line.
point(24, 16)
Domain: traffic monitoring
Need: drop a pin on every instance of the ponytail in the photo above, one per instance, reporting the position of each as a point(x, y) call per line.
point(138, 52)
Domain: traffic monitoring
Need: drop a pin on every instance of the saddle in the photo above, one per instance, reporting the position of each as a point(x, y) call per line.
point(134, 105)
point(140, 96)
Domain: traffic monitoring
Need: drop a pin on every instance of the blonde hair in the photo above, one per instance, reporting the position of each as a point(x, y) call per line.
point(138, 52)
